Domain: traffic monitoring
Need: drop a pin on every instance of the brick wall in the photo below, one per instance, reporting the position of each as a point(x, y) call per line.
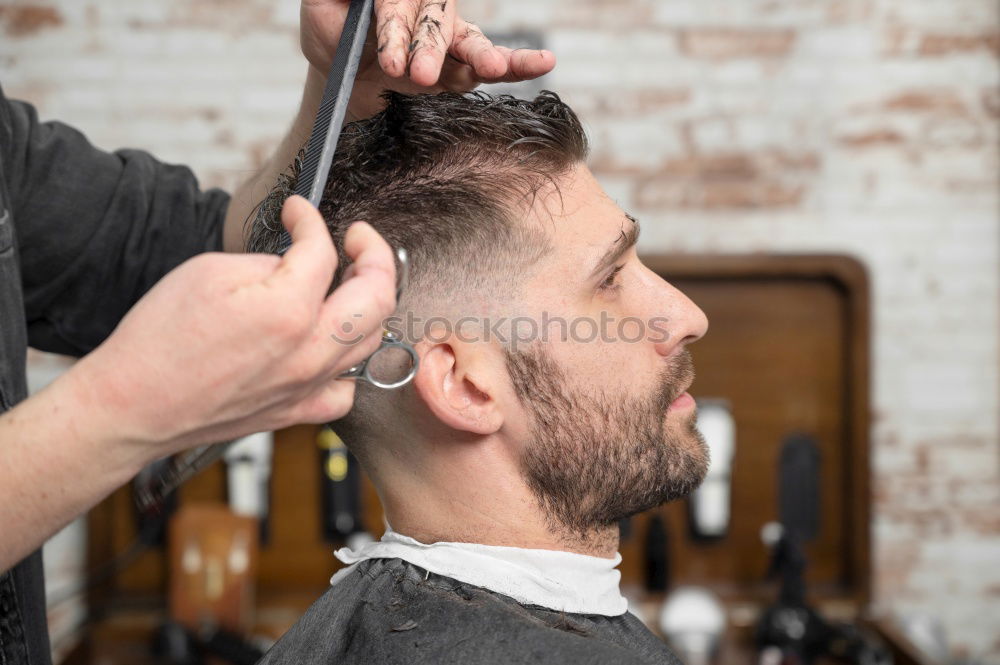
point(859, 126)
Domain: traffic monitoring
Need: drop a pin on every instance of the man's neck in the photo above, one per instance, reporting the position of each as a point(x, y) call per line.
point(507, 519)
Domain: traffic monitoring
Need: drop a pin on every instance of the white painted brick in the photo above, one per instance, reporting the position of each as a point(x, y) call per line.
point(214, 84)
point(845, 44)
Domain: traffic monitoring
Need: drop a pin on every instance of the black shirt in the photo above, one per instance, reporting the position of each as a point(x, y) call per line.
point(83, 235)
point(391, 611)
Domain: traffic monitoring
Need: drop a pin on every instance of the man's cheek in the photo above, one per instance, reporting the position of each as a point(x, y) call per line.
point(597, 367)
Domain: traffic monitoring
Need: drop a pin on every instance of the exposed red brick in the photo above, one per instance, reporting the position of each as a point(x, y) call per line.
point(751, 195)
point(20, 20)
point(588, 13)
point(947, 44)
point(220, 15)
point(648, 100)
point(605, 164)
point(629, 102)
point(225, 138)
point(875, 138)
point(735, 165)
point(725, 43)
point(844, 11)
point(984, 522)
point(922, 460)
point(792, 161)
point(895, 38)
point(665, 192)
point(982, 184)
point(925, 100)
point(991, 101)
point(763, 179)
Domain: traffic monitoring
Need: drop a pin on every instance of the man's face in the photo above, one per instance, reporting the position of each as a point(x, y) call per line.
point(609, 427)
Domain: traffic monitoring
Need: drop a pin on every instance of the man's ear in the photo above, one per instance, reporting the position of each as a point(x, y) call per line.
point(455, 388)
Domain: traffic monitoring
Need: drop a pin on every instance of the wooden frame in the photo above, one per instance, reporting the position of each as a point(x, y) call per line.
point(850, 276)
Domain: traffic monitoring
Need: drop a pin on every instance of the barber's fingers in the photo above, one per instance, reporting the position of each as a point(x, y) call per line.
point(394, 22)
point(308, 265)
point(432, 36)
point(514, 64)
point(330, 401)
point(474, 48)
point(458, 77)
point(354, 312)
point(525, 64)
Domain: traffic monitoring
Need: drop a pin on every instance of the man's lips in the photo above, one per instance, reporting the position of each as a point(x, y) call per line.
point(685, 401)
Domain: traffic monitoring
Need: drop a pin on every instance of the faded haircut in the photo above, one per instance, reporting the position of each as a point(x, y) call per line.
point(449, 177)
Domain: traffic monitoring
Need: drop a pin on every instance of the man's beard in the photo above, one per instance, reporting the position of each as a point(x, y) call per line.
point(595, 458)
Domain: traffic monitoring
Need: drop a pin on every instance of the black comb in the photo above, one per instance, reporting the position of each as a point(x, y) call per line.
point(333, 108)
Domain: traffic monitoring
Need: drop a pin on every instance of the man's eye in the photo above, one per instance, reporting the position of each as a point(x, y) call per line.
point(610, 283)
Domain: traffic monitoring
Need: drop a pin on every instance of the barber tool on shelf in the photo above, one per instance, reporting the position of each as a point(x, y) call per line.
point(212, 563)
point(693, 621)
point(657, 555)
point(248, 476)
point(709, 505)
point(791, 632)
point(174, 644)
point(340, 487)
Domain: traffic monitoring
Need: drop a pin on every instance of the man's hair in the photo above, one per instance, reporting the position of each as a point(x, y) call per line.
point(448, 177)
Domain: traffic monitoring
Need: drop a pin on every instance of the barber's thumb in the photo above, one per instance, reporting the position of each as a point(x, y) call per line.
point(300, 217)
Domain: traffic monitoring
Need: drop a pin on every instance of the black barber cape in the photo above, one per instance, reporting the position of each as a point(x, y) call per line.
point(83, 235)
point(391, 611)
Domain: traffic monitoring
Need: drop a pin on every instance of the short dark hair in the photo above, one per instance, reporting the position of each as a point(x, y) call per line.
point(448, 177)
point(444, 176)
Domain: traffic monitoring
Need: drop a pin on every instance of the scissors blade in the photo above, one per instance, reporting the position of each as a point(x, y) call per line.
point(333, 108)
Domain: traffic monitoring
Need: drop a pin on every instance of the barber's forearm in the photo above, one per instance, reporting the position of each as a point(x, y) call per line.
point(250, 193)
point(57, 460)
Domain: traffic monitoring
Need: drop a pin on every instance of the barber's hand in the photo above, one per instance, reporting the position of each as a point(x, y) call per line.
point(415, 46)
point(227, 345)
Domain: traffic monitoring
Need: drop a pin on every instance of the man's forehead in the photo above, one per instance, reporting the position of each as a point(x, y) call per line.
point(579, 218)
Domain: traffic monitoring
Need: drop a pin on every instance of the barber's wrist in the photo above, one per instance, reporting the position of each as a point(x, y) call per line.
point(98, 414)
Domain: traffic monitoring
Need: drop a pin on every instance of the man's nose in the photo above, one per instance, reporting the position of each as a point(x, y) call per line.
point(686, 323)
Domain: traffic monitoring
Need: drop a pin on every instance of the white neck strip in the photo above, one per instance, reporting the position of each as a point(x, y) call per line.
point(561, 581)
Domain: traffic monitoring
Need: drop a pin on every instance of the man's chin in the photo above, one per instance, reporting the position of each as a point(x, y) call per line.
point(690, 465)
point(697, 452)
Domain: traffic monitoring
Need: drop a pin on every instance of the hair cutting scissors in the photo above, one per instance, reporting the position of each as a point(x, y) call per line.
point(311, 183)
point(390, 343)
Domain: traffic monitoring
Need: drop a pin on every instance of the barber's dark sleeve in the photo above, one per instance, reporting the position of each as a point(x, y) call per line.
point(95, 230)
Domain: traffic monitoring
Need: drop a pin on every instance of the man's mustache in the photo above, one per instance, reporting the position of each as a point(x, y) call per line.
point(675, 378)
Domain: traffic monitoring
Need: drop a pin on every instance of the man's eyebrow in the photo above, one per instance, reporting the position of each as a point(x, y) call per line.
point(624, 242)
